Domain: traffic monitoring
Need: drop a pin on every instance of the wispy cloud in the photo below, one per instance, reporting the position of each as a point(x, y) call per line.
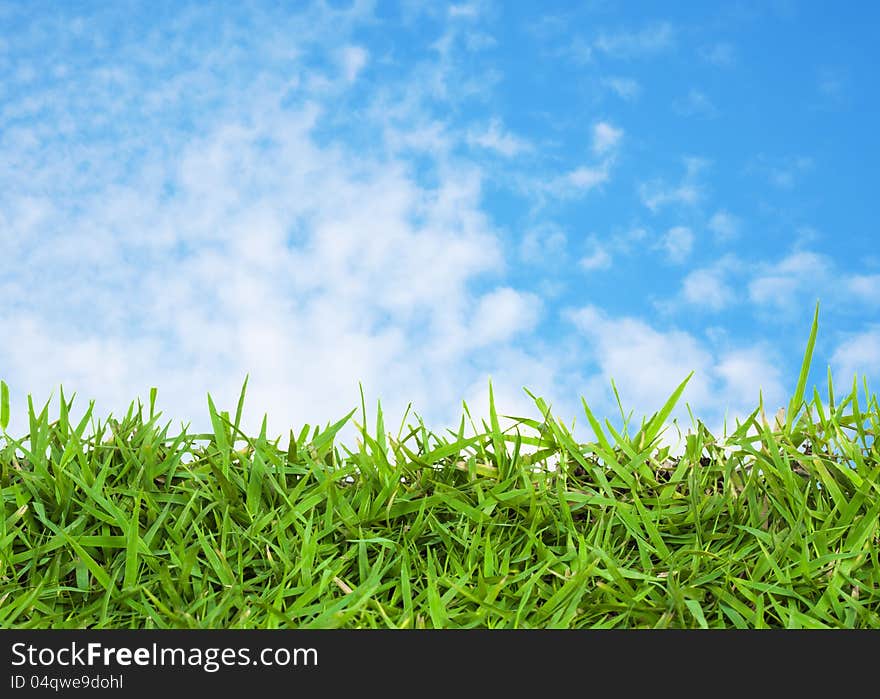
point(578, 182)
point(619, 345)
point(781, 285)
point(724, 225)
point(659, 193)
point(743, 370)
point(706, 288)
point(865, 287)
point(465, 10)
point(857, 355)
point(606, 138)
point(353, 60)
point(578, 50)
point(676, 244)
point(601, 251)
point(777, 288)
point(597, 256)
point(709, 287)
point(648, 41)
point(479, 41)
point(619, 43)
point(729, 376)
point(582, 179)
point(503, 313)
point(782, 172)
point(495, 137)
point(629, 240)
point(543, 242)
point(627, 89)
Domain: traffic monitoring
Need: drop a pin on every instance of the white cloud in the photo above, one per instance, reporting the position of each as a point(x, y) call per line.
point(514, 369)
point(542, 242)
point(786, 176)
point(626, 88)
point(620, 348)
point(606, 138)
point(780, 285)
point(496, 138)
point(582, 179)
point(503, 313)
point(658, 193)
point(724, 381)
point(707, 288)
point(366, 295)
point(649, 41)
point(724, 225)
point(353, 60)
point(866, 287)
point(597, 258)
point(465, 10)
point(677, 244)
point(694, 165)
point(803, 276)
point(629, 240)
point(746, 372)
point(600, 253)
point(479, 41)
point(585, 178)
point(578, 51)
point(577, 182)
point(247, 242)
point(858, 355)
point(781, 172)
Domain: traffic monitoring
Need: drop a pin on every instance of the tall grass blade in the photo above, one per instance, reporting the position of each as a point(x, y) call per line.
point(4, 406)
point(797, 400)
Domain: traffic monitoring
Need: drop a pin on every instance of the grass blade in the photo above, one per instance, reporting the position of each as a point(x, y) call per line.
point(4, 406)
point(797, 400)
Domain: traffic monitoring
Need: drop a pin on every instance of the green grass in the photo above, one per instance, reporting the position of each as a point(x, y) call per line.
point(120, 523)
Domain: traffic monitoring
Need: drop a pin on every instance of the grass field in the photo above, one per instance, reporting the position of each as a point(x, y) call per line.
point(120, 523)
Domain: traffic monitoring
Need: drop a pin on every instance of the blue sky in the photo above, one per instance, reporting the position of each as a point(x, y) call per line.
point(419, 196)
